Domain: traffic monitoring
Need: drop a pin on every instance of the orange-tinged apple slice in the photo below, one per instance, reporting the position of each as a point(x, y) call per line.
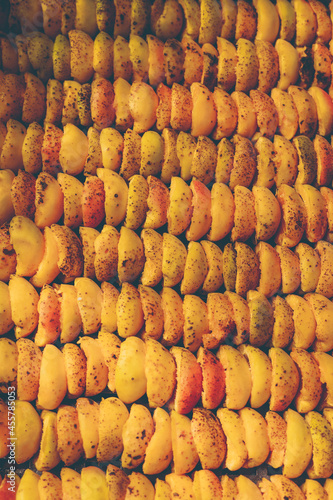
point(213, 379)
point(93, 200)
point(102, 103)
point(201, 215)
point(70, 253)
point(48, 329)
point(220, 320)
point(277, 435)
point(267, 115)
point(189, 380)
point(157, 202)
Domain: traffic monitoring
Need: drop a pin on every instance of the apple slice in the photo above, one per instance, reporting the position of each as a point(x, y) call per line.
point(277, 436)
point(69, 440)
point(48, 329)
point(209, 438)
point(88, 416)
point(185, 455)
point(285, 379)
point(76, 369)
point(213, 379)
point(237, 377)
point(136, 434)
point(189, 381)
point(159, 450)
point(113, 415)
point(234, 432)
point(130, 377)
point(97, 371)
point(310, 389)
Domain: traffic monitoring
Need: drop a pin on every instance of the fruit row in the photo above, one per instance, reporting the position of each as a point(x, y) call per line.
point(204, 21)
point(151, 257)
point(230, 439)
point(204, 112)
point(277, 161)
point(244, 64)
point(115, 484)
point(64, 311)
point(192, 210)
point(176, 377)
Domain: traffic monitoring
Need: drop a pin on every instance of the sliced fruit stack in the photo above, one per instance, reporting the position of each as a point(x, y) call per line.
point(166, 258)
